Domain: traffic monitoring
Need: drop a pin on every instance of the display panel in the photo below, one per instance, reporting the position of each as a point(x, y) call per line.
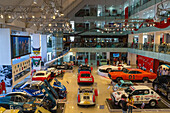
point(20, 46)
point(115, 54)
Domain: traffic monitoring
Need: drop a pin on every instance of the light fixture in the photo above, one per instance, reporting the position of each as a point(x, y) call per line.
point(62, 14)
point(34, 24)
point(53, 17)
point(55, 24)
point(35, 2)
point(49, 25)
point(2, 16)
point(20, 16)
point(33, 16)
point(9, 16)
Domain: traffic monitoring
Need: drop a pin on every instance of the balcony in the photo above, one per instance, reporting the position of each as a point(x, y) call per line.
point(160, 52)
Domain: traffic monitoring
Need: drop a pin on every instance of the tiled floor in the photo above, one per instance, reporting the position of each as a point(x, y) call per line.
point(102, 84)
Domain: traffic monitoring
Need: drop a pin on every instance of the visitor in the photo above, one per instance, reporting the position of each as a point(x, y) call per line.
point(130, 101)
point(0, 88)
point(160, 71)
point(125, 104)
point(3, 86)
point(166, 72)
point(163, 72)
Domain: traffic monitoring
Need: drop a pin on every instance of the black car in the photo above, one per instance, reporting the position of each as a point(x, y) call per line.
point(162, 84)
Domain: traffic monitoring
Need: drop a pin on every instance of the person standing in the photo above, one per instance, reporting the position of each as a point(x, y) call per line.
point(0, 88)
point(163, 72)
point(3, 86)
point(125, 104)
point(130, 101)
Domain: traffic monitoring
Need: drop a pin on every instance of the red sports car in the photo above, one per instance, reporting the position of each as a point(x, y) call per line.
point(85, 77)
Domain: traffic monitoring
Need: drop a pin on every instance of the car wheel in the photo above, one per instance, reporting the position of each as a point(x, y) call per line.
point(152, 103)
point(118, 79)
point(168, 95)
point(145, 79)
point(155, 86)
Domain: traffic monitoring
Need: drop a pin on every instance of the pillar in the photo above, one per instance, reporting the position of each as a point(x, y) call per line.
point(89, 58)
point(157, 36)
point(108, 55)
point(132, 58)
point(130, 38)
point(140, 40)
point(44, 48)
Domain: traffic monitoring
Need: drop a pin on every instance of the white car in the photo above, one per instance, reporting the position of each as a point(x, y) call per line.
point(41, 76)
point(141, 94)
point(105, 69)
point(54, 70)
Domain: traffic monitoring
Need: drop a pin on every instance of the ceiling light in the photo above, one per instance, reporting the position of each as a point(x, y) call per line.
point(62, 14)
point(35, 2)
point(55, 24)
point(9, 16)
point(49, 25)
point(33, 16)
point(2, 16)
point(53, 17)
point(20, 16)
point(34, 24)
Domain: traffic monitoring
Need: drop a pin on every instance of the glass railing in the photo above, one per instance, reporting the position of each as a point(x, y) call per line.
point(99, 45)
point(163, 48)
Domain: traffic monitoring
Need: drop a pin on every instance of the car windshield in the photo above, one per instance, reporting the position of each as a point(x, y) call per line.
point(85, 75)
point(103, 60)
point(19, 85)
point(125, 70)
point(128, 90)
point(126, 85)
point(86, 91)
point(40, 74)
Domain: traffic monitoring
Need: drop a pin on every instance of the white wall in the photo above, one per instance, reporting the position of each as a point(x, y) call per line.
point(5, 47)
point(132, 59)
point(44, 47)
point(36, 40)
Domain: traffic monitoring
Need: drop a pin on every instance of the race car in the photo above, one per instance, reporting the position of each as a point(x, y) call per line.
point(132, 74)
point(122, 84)
point(60, 88)
point(85, 77)
point(54, 72)
point(105, 69)
point(162, 85)
point(84, 68)
point(141, 94)
point(32, 88)
point(22, 101)
point(41, 76)
point(86, 96)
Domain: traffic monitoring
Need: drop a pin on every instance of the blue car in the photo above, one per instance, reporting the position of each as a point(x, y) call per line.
point(60, 88)
point(84, 68)
point(122, 84)
point(19, 100)
point(32, 88)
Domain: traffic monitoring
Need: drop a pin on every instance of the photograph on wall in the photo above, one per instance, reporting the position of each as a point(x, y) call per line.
point(20, 45)
point(6, 74)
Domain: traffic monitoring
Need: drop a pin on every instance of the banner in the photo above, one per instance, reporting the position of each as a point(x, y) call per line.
point(36, 62)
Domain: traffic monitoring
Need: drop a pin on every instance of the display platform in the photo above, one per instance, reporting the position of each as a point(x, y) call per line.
point(161, 106)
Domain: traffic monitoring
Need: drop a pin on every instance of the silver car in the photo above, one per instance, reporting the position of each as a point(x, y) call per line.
point(86, 96)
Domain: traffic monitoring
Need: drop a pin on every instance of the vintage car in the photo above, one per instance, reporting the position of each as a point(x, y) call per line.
point(103, 62)
point(105, 69)
point(32, 88)
point(54, 72)
point(60, 88)
point(85, 77)
point(132, 74)
point(141, 94)
point(22, 101)
point(122, 84)
point(84, 68)
point(86, 96)
point(162, 85)
point(41, 76)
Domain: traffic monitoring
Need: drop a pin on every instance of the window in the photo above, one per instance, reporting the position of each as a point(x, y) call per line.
point(138, 92)
point(86, 97)
point(40, 74)
point(103, 70)
point(27, 86)
point(138, 72)
point(18, 99)
point(146, 92)
point(85, 75)
point(132, 72)
point(34, 87)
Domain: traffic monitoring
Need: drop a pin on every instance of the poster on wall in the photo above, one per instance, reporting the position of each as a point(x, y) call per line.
point(20, 46)
point(145, 63)
point(6, 74)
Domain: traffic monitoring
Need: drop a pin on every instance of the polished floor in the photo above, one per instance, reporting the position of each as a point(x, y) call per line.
point(103, 86)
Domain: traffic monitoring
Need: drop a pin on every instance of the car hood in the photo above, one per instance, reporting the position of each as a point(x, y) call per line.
point(118, 94)
point(4, 98)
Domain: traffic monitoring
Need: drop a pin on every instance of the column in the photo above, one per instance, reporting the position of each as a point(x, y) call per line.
point(108, 55)
point(140, 41)
point(44, 48)
point(132, 59)
point(157, 36)
point(89, 58)
point(130, 40)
